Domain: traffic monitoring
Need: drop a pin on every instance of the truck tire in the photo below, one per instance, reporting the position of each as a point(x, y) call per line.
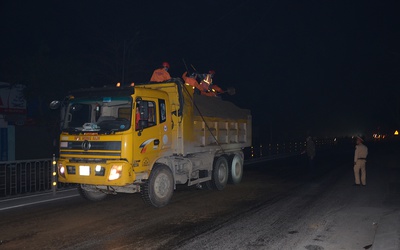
point(235, 169)
point(219, 174)
point(208, 185)
point(91, 195)
point(158, 189)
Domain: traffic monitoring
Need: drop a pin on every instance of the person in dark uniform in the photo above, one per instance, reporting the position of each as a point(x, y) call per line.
point(310, 151)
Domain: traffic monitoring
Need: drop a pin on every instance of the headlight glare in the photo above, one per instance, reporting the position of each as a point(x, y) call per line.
point(115, 172)
point(61, 169)
point(99, 170)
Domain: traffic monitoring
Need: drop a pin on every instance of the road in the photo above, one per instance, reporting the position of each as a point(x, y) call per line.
point(277, 206)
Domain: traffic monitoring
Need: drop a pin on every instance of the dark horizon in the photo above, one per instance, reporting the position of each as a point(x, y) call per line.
point(320, 68)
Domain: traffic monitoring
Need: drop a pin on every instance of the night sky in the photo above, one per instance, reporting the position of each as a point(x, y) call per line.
point(325, 68)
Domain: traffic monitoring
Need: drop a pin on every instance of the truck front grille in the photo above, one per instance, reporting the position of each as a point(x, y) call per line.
point(91, 145)
point(91, 148)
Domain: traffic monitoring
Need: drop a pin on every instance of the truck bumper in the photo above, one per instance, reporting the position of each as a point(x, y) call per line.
point(115, 173)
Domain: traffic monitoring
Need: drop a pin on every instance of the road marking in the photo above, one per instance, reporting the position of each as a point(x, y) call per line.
point(38, 202)
point(34, 195)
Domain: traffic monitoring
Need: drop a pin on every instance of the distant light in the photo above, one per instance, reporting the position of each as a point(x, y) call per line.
point(396, 132)
point(118, 84)
point(132, 84)
point(379, 136)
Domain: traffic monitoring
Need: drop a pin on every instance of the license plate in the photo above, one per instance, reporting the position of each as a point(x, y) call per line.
point(84, 170)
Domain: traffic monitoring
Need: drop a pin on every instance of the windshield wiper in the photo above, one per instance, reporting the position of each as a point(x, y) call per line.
point(106, 131)
point(72, 130)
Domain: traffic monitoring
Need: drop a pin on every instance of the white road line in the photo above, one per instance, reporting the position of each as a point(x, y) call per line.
point(37, 202)
point(33, 195)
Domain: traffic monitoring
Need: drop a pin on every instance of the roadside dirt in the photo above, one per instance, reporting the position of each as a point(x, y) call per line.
point(125, 221)
point(277, 204)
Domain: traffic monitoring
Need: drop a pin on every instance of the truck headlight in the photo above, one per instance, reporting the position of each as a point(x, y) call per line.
point(99, 170)
point(61, 169)
point(115, 172)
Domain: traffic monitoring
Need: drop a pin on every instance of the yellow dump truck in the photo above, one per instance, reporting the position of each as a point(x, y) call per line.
point(148, 138)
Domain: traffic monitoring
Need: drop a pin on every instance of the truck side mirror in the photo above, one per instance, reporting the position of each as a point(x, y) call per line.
point(55, 105)
point(143, 124)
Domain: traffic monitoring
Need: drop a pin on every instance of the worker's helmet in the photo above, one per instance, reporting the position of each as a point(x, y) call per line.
point(212, 72)
point(165, 65)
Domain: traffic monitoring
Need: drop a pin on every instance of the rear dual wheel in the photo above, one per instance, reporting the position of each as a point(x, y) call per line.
point(219, 177)
point(235, 169)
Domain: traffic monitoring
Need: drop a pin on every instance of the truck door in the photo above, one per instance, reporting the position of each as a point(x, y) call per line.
point(152, 131)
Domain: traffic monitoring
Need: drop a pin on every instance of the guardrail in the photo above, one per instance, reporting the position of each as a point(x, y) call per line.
point(271, 150)
point(19, 177)
point(29, 176)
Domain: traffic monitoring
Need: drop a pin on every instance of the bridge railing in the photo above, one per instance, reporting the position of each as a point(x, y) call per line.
point(27, 176)
point(37, 175)
point(286, 148)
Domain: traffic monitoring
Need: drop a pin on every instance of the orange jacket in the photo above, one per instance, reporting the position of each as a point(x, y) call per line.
point(212, 90)
point(191, 81)
point(160, 75)
point(205, 86)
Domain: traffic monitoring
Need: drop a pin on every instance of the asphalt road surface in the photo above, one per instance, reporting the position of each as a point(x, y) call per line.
point(278, 205)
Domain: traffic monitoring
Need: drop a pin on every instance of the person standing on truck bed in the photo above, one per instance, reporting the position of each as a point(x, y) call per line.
point(191, 80)
point(207, 85)
point(161, 74)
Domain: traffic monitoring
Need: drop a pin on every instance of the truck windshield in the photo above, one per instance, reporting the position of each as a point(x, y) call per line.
point(104, 115)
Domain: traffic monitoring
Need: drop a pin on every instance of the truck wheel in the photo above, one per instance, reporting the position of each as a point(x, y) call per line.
point(235, 169)
point(219, 174)
point(95, 195)
point(158, 189)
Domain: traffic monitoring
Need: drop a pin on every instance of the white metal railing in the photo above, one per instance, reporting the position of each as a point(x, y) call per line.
point(25, 176)
point(28, 176)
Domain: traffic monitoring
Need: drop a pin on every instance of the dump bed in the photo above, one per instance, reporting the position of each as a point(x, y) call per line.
point(221, 123)
point(204, 123)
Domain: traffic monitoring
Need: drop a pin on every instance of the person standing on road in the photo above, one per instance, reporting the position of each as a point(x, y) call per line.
point(310, 150)
point(360, 158)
